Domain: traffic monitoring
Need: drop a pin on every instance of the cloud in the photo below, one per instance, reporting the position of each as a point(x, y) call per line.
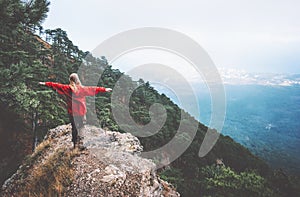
point(245, 34)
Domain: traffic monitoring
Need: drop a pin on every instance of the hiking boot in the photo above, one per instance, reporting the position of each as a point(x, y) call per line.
point(79, 144)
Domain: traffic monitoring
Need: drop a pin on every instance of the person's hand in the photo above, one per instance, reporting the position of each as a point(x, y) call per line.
point(108, 89)
point(42, 83)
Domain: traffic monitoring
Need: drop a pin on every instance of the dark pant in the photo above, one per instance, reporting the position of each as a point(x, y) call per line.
point(77, 123)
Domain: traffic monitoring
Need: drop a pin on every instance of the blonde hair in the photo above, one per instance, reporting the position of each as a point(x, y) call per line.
point(74, 81)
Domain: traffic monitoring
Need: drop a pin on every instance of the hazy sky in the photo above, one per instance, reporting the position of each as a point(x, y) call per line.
point(254, 35)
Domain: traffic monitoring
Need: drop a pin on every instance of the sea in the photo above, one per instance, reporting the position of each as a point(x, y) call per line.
point(262, 112)
point(263, 118)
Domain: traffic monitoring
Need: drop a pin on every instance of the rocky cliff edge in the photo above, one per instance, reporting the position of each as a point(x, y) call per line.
point(111, 166)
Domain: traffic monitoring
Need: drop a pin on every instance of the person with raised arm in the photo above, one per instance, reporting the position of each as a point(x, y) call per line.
point(75, 94)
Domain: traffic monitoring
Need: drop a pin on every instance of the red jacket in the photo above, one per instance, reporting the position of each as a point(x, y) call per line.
point(76, 102)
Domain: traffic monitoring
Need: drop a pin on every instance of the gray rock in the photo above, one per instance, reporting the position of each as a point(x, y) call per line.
point(111, 166)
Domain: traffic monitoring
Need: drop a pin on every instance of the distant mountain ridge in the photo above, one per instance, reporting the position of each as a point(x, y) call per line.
point(241, 77)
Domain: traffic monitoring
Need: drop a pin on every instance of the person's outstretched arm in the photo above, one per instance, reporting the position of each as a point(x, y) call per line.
point(60, 88)
point(92, 91)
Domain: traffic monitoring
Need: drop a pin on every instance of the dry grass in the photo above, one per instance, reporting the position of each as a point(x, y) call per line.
point(52, 177)
point(43, 175)
point(41, 148)
point(47, 172)
point(30, 160)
